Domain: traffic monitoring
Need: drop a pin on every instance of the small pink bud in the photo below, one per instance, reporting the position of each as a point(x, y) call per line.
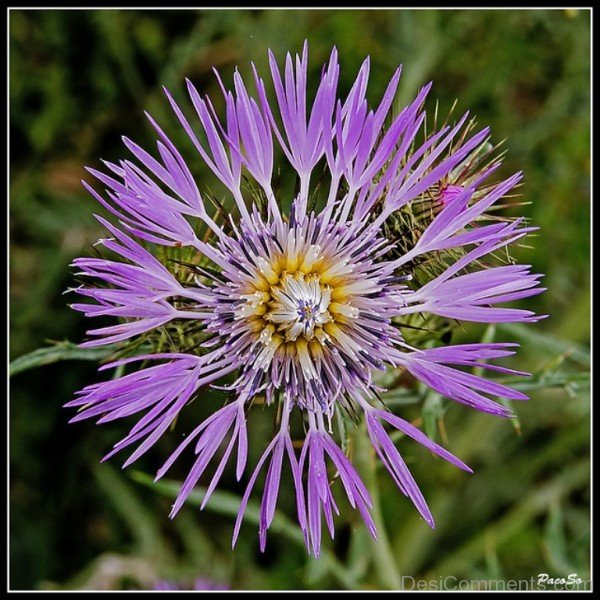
point(449, 193)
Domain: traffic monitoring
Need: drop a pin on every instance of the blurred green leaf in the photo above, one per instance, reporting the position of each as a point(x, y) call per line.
point(492, 562)
point(60, 351)
point(228, 504)
point(547, 343)
point(487, 338)
point(141, 522)
point(555, 541)
point(384, 560)
point(433, 410)
point(547, 381)
point(535, 503)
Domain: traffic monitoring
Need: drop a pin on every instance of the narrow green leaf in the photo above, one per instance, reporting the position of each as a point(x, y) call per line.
point(492, 562)
point(341, 423)
point(228, 504)
point(542, 381)
point(509, 523)
point(433, 409)
point(400, 397)
point(547, 343)
point(135, 515)
point(555, 542)
point(486, 338)
point(56, 353)
point(384, 560)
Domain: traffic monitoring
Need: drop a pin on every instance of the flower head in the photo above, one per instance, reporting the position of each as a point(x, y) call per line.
point(301, 309)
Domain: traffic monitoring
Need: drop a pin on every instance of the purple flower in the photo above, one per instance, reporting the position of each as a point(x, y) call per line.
point(303, 309)
point(319, 495)
point(198, 584)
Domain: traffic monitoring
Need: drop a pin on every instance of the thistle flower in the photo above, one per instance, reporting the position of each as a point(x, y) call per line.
point(303, 309)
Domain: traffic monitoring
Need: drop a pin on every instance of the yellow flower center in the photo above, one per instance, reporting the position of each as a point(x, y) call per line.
point(297, 303)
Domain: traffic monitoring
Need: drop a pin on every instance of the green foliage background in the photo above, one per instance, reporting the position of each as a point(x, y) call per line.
point(78, 81)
